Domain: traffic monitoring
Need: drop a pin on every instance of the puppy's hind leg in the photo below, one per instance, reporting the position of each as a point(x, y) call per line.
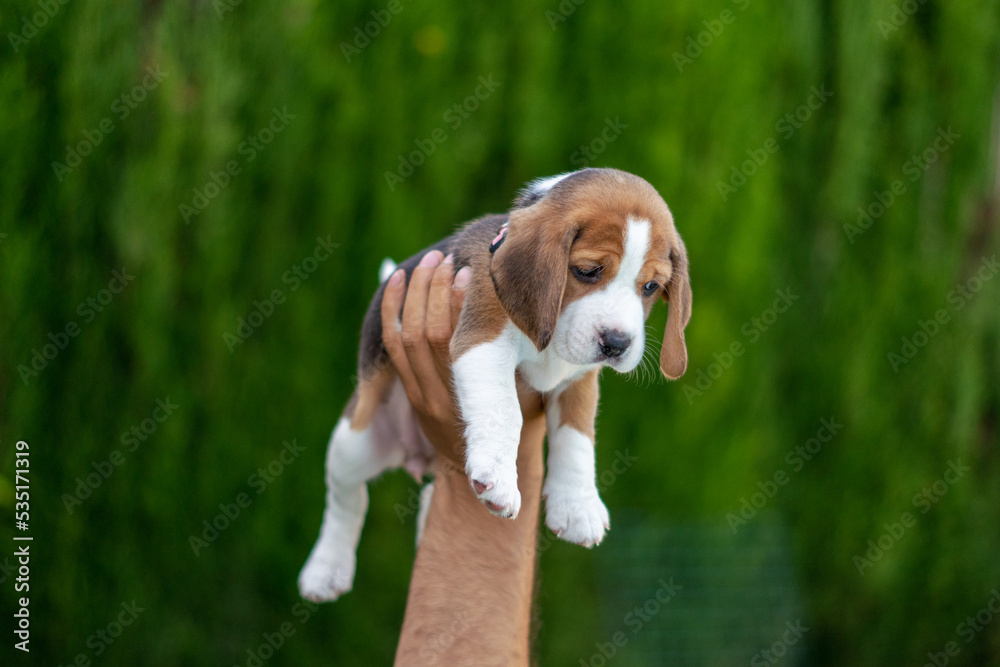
point(354, 456)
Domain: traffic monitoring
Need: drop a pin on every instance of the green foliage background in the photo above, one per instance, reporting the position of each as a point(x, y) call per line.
point(324, 176)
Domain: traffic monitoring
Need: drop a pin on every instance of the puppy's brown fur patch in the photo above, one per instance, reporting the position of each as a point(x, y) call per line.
point(578, 404)
point(370, 393)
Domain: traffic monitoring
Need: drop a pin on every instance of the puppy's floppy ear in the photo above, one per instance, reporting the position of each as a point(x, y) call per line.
point(529, 270)
point(673, 354)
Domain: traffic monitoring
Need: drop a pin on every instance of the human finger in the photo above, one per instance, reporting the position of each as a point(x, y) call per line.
point(458, 291)
point(392, 336)
point(414, 333)
point(438, 323)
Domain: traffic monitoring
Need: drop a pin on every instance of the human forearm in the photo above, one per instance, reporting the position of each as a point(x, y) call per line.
point(470, 598)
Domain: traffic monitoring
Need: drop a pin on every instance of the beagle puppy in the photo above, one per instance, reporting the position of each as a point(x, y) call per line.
point(561, 286)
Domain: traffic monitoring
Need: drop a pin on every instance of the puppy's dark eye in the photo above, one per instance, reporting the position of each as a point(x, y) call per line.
point(588, 275)
point(649, 288)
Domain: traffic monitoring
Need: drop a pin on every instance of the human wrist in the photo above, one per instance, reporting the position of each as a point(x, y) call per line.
point(451, 478)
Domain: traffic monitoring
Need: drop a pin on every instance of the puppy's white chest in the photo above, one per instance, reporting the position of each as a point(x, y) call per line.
point(544, 370)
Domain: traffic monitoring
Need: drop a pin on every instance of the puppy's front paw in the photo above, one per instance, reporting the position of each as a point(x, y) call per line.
point(495, 484)
point(574, 514)
point(327, 575)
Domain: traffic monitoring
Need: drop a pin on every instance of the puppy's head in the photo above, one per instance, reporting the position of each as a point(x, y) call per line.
point(586, 256)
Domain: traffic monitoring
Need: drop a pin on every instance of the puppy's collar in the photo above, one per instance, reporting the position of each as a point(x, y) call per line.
point(498, 241)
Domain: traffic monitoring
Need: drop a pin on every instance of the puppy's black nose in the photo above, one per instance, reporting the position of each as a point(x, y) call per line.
point(613, 343)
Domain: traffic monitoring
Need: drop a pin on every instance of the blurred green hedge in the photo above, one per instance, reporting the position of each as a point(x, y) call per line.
point(209, 149)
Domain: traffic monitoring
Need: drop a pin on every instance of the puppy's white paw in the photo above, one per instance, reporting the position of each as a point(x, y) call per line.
point(327, 575)
point(495, 484)
point(574, 514)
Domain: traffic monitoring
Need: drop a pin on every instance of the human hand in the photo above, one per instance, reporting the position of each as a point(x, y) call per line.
point(418, 346)
point(418, 342)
